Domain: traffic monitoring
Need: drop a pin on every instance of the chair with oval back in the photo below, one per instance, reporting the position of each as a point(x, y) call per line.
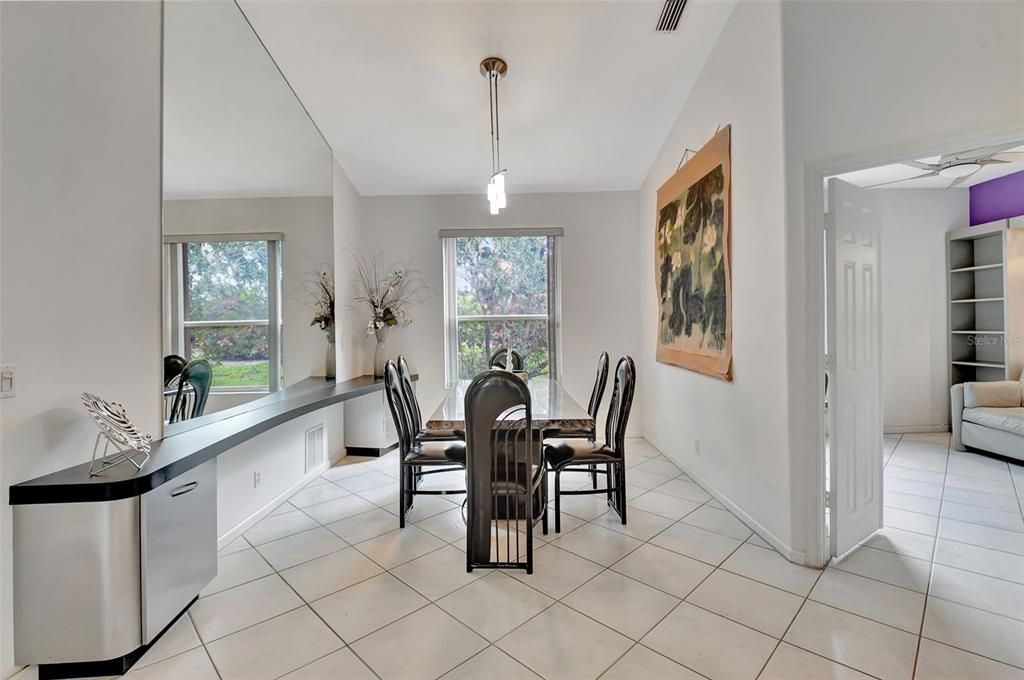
point(506, 478)
point(173, 366)
point(193, 389)
point(417, 458)
point(584, 455)
point(506, 358)
point(415, 414)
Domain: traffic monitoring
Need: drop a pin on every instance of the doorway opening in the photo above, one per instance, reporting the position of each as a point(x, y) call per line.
point(906, 318)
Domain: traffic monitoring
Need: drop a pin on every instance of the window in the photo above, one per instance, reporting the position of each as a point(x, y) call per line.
point(501, 290)
point(224, 307)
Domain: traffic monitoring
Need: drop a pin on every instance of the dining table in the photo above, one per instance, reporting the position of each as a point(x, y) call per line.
point(552, 408)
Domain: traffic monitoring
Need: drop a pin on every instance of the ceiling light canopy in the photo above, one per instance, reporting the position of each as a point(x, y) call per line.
point(960, 170)
point(494, 69)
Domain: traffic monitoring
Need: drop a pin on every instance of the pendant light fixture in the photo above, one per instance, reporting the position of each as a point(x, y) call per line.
point(494, 69)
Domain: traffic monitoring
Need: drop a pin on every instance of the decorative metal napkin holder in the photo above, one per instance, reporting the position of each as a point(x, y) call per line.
point(116, 431)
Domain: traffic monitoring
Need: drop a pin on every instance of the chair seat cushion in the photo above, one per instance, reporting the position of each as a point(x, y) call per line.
point(440, 435)
point(1006, 419)
point(438, 452)
point(564, 451)
point(574, 434)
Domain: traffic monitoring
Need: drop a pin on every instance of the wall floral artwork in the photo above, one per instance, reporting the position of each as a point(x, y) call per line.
point(693, 267)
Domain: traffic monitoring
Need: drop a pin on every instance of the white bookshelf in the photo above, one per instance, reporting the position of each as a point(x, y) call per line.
point(986, 301)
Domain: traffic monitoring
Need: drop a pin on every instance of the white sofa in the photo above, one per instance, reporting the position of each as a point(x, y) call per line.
point(989, 416)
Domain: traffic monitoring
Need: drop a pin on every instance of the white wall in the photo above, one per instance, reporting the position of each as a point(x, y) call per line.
point(600, 282)
point(865, 85)
point(279, 456)
point(307, 225)
point(79, 278)
point(915, 369)
point(741, 426)
point(348, 238)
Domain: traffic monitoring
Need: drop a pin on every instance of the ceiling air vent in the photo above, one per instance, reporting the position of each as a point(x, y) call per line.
point(671, 13)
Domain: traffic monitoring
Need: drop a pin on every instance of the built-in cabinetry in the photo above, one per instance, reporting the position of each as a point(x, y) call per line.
point(103, 564)
point(102, 580)
point(986, 301)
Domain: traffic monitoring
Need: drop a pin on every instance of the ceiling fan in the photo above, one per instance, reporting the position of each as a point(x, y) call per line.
point(960, 166)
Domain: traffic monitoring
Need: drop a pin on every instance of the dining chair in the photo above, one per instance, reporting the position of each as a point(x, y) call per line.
point(415, 456)
point(593, 406)
point(193, 389)
point(415, 414)
point(506, 358)
point(578, 455)
point(506, 478)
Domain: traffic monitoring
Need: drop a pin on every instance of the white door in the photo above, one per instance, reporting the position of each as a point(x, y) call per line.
point(854, 340)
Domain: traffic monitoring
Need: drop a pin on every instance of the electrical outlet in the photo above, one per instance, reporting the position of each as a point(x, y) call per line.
point(256, 480)
point(7, 382)
point(696, 446)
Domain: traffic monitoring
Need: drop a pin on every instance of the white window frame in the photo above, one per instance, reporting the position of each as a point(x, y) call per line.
point(174, 300)
point(452, 318)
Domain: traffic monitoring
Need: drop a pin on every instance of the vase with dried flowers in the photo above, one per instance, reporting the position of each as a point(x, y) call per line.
point(389, 291)
point(320, 291)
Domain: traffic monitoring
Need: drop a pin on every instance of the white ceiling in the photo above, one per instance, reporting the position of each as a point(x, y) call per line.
point(395, 87)
point(232, 127)
point(900, 176)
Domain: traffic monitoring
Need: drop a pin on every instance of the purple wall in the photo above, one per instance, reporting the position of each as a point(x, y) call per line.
point(997, 198)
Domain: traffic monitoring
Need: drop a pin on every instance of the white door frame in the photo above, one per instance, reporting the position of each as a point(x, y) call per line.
point(808, 438)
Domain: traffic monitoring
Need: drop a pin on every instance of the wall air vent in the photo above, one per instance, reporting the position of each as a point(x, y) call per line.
point(671, 13)
point(314, 447)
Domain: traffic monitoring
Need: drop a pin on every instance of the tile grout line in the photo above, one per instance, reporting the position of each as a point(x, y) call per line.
point(781, 638)
point(603, 570)
point(345, 644)
point(931, 573)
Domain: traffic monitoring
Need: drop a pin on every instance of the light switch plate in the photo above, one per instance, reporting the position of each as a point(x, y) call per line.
point(7, 381)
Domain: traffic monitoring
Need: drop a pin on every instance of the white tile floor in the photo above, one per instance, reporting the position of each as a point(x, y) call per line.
point(327, 587)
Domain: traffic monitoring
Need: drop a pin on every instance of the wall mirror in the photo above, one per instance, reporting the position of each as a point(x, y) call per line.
point(247, 220)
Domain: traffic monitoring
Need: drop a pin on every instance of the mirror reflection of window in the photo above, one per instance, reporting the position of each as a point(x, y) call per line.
point(245, 170)
point(226, 312)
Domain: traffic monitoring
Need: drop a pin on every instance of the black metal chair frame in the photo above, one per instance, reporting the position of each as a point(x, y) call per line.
point(173, 366)
point(415, 414)
point(503, 428)
point(614, 470)
point(190, 400)
point(502, 357)
point(593, 406)
point(411, 472)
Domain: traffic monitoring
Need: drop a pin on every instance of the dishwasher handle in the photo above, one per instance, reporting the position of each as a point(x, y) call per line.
point(184, 489)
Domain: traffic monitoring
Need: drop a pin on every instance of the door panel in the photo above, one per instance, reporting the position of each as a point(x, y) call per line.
point(855, 337)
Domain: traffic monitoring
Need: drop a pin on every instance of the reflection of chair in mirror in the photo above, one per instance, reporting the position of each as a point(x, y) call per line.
point(583, 455)
point(173, 366)
point(193, 389)
point(506, 479)
point(437, 456)
point(510, 360)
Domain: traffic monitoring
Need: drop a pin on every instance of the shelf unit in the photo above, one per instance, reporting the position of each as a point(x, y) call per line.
point(986, 301)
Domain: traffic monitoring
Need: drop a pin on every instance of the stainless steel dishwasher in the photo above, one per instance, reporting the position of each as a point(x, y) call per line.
point(179, 545)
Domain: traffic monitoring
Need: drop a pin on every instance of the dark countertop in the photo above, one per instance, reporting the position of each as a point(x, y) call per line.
point(180, 452)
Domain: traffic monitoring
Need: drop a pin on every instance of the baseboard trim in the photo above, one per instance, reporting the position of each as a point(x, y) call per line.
point(116, 666)
point(787, 551)
point(915, 429)
point(371, 451)
point(255, 517)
